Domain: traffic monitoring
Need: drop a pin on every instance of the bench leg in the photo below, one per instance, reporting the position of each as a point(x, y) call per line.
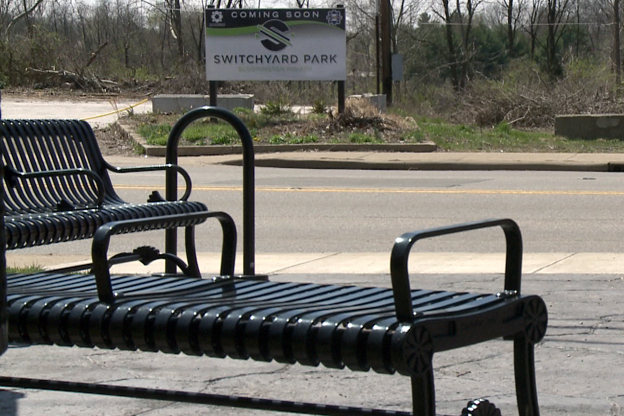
point(423, 394)
point(191, 252)
point(526, 387)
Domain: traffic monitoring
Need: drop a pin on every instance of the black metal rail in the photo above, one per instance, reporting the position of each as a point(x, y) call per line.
point(248, 179)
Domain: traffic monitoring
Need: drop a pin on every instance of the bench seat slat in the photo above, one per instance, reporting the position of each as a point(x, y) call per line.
point(310, 324)
point(28, 230)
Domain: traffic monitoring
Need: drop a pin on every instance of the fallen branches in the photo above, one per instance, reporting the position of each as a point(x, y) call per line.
point(82, 82)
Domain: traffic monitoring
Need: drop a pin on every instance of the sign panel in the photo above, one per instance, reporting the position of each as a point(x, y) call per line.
point(276, 44)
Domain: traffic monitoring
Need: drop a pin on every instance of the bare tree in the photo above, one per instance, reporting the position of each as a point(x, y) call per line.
point(174, 10)
point(616, 41)
point(450, 43)
point(600, 14)
point(27, 8)
point(557, 15)
point(461, 19)
point(404, 13)
point(196, 21)
point(532, 26)
point(227, 4)
point(512, 10)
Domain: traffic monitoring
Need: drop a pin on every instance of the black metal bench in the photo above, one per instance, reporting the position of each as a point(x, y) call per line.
point(58, 189)
point(388, 331)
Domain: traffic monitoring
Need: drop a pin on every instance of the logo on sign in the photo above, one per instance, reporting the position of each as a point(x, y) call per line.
point(216, 17)
point(276, 35)
point(334, 17)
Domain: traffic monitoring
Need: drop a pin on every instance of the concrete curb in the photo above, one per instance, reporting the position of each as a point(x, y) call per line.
point(389, 165)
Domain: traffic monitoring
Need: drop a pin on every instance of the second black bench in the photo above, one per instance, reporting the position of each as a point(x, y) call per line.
point(59, 188)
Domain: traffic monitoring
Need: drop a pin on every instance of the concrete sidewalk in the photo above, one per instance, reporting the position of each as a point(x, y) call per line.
point(590, 162)
point(287, 264)
point(378, 160)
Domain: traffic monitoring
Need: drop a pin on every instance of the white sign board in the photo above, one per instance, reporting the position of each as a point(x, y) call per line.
point(276, 44)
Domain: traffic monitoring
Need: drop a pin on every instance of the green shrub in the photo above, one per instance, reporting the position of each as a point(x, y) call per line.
point(414, 136)
point(319, 107)
point(277, 139)
point(312, 138)
point(276, 108)
point(363, 138)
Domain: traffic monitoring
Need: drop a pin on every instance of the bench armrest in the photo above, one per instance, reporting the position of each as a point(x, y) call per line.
point(101, 241)
point(167, 167)
point(403, 244)
point(11, 176)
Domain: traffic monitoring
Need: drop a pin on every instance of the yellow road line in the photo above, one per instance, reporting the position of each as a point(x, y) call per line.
point(391, 191)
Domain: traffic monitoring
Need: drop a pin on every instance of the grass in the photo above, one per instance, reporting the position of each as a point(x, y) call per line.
point(364, 138)
point(33, 268)
point(277, 126)
point(503, 138)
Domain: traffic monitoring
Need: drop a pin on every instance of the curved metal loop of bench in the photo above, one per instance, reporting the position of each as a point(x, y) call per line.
point(248, 177)
point(101, 241)
point(403, 244)
point(166, 167)
point(11, 175)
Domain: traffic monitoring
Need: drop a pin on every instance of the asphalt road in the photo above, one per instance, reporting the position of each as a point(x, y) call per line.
point(301, 212)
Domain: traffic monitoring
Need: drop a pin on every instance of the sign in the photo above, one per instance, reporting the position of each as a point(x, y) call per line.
point(276, 44)
point(397, 67)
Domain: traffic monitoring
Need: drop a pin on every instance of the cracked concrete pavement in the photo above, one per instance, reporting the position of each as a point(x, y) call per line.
point(580, 363)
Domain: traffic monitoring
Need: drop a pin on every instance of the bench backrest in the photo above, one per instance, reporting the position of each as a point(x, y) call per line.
point(51, 145)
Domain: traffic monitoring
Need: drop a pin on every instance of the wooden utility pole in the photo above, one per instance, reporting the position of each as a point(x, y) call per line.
point(385, 17)
point(377, 62)
point(616, 43)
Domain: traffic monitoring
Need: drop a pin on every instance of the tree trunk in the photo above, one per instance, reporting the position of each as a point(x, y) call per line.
point(551, 41)
point(510, 29)
point(386, 53)
point(616, 42)
point(176, 26)
point(533, 27)
point(450, 42)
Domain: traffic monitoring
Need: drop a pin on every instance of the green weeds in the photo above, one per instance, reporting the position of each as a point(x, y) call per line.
point(277, 126)
point(30, 269)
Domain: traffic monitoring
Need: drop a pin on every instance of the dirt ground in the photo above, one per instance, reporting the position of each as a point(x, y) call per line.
point(112, 144)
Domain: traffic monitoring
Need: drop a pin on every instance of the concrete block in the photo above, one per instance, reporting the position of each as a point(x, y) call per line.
point(377, 100)
point(179, 103)
point(590, 126)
